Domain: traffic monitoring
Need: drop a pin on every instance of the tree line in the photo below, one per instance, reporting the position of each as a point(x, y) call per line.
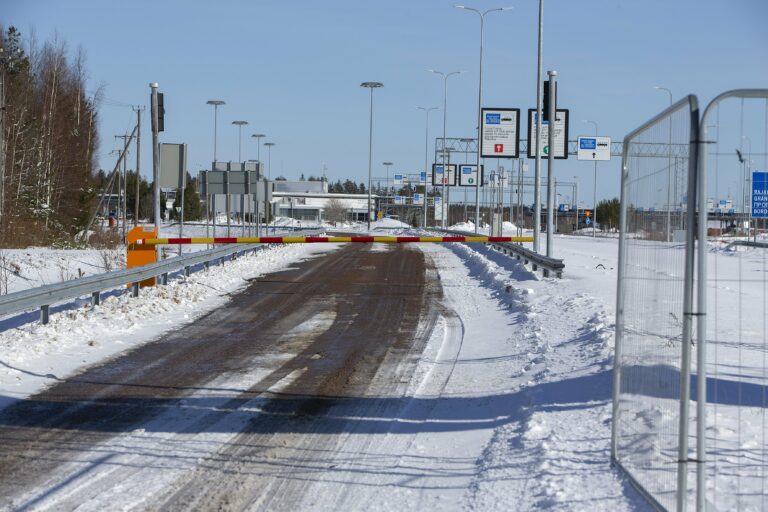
point(49, 142)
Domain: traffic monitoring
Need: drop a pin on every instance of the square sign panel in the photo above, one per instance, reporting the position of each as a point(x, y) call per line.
point(595, 148)
point(561, 134)
point(438, 175)
point(468, 175)
point(418, 198)
point(500, 134)
point(759, 195)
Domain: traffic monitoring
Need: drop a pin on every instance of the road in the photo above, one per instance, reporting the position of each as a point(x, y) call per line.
point(247, 407)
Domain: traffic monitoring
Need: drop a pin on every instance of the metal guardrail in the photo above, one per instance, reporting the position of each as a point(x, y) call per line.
point(44, 296)
point(548, 265)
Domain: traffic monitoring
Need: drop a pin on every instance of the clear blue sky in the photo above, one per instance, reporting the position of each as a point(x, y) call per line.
point(292, 69)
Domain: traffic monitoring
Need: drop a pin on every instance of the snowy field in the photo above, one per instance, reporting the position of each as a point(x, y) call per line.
point(520, 412)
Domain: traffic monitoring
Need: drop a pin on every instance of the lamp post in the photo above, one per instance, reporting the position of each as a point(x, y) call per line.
point(576, 198)
point(537, 168)
point(371, 86)
point(239, 125)
point(387, 165)
point(260, 175)
point(269, 170)
point(258, 137)
point(445, 120)
point(669, 169)
point(216, 104)
point(480, 96)
point(426, 156)
point(594, 190)
point(746, 184)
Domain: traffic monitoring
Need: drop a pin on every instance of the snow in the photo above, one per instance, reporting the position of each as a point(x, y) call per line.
point(33, 356)
point(509, 407)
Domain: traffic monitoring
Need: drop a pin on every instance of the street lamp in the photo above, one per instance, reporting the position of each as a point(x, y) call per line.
point(387, 165)
point(669, 168)
point(269, 157)
point(258, 137)
point(371, 86)
point(216, 104)
point(445, 119)
point(594, 191)
point(426, 156)
point(239, 125)
point(480, 97)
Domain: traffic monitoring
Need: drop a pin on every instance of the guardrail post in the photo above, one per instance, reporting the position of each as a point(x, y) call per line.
point(559, 274)
point(44, 314)
point(221, 261)
point(186, 271)
point(95, 299)
point(135, 289)
point(535, 267)
point(206, 264)
point(544, 272)
point(164, 278)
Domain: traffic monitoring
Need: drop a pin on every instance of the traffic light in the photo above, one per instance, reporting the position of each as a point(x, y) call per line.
point(160, 113)
point(548, 96)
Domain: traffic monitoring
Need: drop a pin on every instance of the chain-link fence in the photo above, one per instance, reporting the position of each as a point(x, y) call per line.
point(655, 291)
point(733, 291)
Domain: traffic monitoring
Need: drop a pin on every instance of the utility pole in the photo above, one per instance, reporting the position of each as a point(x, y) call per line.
point(124, 189)
point(138, 111)
point(155, 160)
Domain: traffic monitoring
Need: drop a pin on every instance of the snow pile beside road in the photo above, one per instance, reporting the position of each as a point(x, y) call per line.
point(34, 356)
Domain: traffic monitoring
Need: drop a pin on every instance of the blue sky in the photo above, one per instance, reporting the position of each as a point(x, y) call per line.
point(292, 69)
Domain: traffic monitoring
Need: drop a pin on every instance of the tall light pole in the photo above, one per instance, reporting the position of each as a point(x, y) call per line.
point(239, 125)
point(480, 98)
point(258, 137)
point(669, 169)
point(216, 104)
point(594, 190)
point(426, 156)
point(576, 199)
point(269, 157)
point(445, 77)
point(371, 86)
point(387, 165)
point(747, 189)
point(537, 169)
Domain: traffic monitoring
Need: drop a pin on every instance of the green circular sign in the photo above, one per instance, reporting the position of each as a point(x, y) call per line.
point(471, 180)
point(546, 150)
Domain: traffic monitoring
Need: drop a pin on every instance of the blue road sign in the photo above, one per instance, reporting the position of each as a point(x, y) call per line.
point(587, 143)
point(423, 176)
point(492, 118)
point(760, 194)
point(588, 221)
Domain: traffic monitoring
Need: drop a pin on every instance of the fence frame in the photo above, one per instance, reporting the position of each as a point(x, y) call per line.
point(701, 287)
point(690, 102)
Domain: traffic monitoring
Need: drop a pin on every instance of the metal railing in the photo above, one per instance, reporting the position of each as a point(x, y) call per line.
point(549, 266)
point(44, 296)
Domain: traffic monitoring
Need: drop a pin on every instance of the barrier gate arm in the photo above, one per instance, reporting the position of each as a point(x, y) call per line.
point(332, 239)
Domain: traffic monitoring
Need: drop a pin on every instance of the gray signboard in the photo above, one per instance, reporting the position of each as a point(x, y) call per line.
point(173, 165)
point(235, 183)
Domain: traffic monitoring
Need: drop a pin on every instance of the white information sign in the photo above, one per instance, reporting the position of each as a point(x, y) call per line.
point(438, 208)
point(593, 148)
point(561, 134)
point(438, 176)
point(398, 179)
point(418, 198)
point(468, 175)
point(500, 134)
point(399, 200)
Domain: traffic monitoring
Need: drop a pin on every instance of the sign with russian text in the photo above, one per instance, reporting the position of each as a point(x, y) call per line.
point(760, 194)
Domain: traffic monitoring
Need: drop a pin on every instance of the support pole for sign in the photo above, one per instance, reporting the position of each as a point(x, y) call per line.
point(537, 170)
point(155, 160)
point(551, 159)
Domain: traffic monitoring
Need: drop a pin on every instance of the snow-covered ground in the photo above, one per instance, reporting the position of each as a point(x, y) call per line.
point(519, 410)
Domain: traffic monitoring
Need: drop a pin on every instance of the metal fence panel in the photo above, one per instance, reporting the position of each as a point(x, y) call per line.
point(733, 291)
point(652, 354)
